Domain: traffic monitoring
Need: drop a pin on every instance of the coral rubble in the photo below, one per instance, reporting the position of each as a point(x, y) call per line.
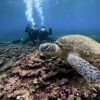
point(33, 77)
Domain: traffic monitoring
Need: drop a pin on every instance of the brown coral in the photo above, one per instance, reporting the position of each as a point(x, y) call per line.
point(36, 78)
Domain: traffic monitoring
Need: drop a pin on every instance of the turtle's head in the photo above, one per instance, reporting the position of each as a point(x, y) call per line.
point(50, 49)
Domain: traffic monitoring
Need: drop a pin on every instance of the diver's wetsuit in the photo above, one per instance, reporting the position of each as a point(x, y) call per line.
point(32, 35)
point(44, 35)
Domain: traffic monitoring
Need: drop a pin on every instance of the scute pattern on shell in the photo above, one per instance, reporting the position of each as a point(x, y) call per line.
point(81, 44)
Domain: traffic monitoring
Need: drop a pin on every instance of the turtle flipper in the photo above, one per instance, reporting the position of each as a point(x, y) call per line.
point(83, 67)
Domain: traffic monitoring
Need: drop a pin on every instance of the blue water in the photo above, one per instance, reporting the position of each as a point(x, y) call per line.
point(64, 16)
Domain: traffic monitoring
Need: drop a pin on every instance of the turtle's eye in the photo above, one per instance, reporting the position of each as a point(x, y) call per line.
point(48, 48)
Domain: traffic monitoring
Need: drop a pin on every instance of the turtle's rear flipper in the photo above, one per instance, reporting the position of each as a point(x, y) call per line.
point(83, 67)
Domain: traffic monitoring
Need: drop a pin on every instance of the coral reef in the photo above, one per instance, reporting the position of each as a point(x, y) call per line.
point(34, 77)
point(10, 53)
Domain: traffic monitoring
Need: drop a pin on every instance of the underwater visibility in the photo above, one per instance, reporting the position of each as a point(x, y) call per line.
point(49, 50)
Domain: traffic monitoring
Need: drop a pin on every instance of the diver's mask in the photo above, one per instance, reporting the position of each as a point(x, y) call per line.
point(34, 27)
point(43, 29)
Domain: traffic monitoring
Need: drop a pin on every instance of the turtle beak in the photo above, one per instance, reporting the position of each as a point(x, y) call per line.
point(41, 48)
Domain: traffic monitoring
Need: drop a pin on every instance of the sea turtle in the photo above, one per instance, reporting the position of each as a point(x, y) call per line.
point(74, 49)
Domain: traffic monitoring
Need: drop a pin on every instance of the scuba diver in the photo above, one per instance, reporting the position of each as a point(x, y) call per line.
point(44, 34)
point(35, 35)
point(32, 33)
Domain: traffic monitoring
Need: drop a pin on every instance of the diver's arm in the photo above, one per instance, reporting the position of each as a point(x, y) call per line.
point(50, 31)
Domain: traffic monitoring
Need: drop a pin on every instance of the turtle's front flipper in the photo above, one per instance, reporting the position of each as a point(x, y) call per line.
point(83, 67)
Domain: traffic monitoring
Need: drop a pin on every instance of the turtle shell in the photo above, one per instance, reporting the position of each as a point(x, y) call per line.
point(79, 44)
